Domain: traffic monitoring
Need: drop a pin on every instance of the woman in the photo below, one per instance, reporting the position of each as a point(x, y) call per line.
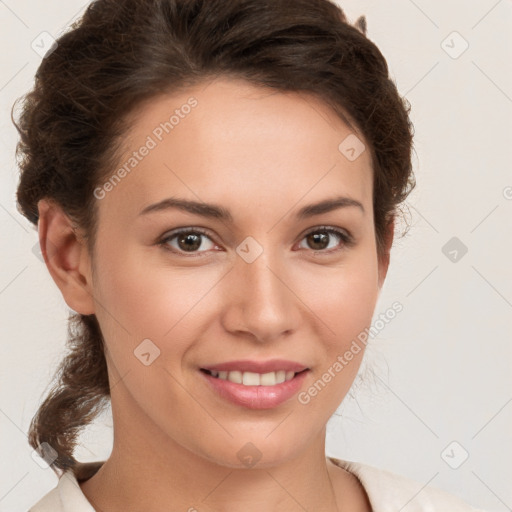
point(215, 185)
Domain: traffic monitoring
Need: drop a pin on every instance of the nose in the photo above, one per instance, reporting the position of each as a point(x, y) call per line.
point(260, 302)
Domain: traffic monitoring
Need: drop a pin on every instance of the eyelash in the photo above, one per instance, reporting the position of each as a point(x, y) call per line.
point(346, 238)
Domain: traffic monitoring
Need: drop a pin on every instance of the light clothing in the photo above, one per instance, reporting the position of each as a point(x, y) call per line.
point(387, 491)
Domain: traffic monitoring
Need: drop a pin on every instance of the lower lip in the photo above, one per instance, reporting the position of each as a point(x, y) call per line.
point(256, 397)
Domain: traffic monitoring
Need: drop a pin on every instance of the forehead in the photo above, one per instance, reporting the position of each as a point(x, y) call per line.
point(230, 142)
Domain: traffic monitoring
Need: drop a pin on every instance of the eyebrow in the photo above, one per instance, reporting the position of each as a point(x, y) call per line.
point(215, 211)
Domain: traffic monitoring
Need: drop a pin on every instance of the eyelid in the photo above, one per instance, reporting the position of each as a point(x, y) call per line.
point(330, 229)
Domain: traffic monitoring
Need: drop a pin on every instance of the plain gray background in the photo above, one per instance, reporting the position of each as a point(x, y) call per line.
point(441, 388)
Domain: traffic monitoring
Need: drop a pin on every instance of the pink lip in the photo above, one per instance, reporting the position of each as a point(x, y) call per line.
point(272, 365)
point(256, 397)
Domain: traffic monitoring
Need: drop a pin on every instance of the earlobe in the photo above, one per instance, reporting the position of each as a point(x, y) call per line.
point(66, 256)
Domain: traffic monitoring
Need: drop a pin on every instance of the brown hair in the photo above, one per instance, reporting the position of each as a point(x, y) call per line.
point(124, 52)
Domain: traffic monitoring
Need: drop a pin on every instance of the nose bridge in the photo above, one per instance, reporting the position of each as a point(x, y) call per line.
point(260, 298)
point(262, 276)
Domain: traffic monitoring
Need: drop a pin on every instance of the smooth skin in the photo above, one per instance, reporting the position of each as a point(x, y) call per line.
point(262, 155)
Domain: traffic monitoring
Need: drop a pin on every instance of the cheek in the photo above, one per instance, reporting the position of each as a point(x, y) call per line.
point(344, 305)
point(147, 318)
point(344, 301)
point(344, 298)
point(142, 298)
point(349, 305)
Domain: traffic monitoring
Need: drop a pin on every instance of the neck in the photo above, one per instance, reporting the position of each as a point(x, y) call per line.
point(181, 480)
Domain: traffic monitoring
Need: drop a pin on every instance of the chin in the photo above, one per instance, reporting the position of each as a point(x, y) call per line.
point(254, 451)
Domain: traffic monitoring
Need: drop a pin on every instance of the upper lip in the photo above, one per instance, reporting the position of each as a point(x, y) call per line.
point(273, 365)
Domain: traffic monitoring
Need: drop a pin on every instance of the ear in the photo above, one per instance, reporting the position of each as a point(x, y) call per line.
point(66, 256)
point(385, 258)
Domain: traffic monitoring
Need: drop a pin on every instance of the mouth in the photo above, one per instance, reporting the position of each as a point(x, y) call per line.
point(255, 384)
point(253, 378)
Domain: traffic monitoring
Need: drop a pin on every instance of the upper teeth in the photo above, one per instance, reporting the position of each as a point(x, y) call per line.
point(255, 379)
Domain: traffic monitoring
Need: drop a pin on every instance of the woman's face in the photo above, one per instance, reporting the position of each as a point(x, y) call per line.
point(265, 288)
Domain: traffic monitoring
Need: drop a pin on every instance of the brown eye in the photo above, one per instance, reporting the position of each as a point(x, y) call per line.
point(318, 241)
point(321, 239)
point(187, 241)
